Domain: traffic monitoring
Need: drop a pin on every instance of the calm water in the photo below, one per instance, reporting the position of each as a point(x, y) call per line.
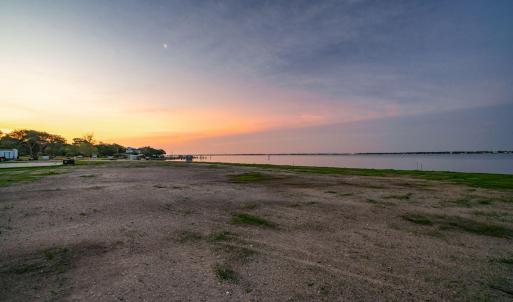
point(487, 163)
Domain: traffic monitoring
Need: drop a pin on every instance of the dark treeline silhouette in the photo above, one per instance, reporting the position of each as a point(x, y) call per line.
point(35, 143)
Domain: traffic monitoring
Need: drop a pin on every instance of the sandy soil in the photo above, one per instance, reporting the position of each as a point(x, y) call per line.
point(166, 232)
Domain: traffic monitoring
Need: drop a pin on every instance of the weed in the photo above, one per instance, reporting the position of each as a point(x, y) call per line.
point(88, 175)
point(225, 273)
point(323, 290)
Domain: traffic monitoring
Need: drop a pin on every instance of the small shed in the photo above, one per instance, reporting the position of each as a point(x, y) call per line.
point(8, 154)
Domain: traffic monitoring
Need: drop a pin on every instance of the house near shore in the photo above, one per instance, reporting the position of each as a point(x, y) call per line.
point(130, 150)
point(8, 154)
point(133, 153)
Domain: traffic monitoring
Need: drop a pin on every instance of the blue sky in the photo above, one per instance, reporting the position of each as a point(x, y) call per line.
point(189, 71)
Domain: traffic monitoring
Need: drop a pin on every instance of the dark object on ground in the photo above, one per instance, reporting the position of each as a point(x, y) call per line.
point(68, 161)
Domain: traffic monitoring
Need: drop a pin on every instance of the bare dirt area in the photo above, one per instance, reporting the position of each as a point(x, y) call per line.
point(149, 231)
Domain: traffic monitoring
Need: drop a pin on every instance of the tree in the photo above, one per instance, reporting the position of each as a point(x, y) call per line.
point(85, 145)
point(34, 142)
point(8, 142)
point(151, 152)
point(110, 149)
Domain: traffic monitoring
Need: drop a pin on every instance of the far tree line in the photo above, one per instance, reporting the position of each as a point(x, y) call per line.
point(34, 143)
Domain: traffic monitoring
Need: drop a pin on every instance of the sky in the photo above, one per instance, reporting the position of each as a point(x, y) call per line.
point(261, 76)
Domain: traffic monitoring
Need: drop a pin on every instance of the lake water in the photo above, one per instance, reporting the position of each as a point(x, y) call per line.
point(486, 163)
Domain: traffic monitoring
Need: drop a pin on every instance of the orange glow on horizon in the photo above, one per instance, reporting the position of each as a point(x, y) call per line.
point(48, 98)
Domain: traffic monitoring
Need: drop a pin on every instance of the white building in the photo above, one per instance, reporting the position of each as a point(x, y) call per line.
point(8, 154)
point(130, 150)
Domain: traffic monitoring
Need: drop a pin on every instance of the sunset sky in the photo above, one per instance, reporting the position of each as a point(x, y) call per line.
point(262, 76)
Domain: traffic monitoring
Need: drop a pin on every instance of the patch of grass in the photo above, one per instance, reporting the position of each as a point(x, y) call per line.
point(88, 175)
point(300, 204)
point(247, 219)
point(12, 175)
point(469, 201)
point(379, 202)
point(235, 253)
point(480, 180)
point(502, 216)
point(346, 194)
point(225, 273)
point(445, 222)
point(91, 162)
point(185, 212)
point(221, 236)
point(462, 202)
point(51, 260)
point(416, 185)
point(417, 218)
point(502, 284)
point(486, 201)
point(250, 177)
point(339, 193)
point(399, 196)
point(294, 205)
point(504, 260)
point(159, 186)
point(323, 290)
point(476, 227)
point(187, 236)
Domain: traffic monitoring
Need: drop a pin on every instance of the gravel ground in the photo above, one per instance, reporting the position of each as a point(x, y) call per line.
point(177, 232)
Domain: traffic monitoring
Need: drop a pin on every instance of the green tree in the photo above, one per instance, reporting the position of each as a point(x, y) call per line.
point(152, 152)
point(110, 149)
point(34, 143)
point(8, 142)
point(85, 145)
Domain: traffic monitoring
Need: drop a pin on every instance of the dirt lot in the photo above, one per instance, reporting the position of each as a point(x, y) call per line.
point(199, 232)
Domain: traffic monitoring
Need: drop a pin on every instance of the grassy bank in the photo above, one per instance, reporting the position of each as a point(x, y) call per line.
point(20, 174)
point(13, 175)
point(481, 180)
